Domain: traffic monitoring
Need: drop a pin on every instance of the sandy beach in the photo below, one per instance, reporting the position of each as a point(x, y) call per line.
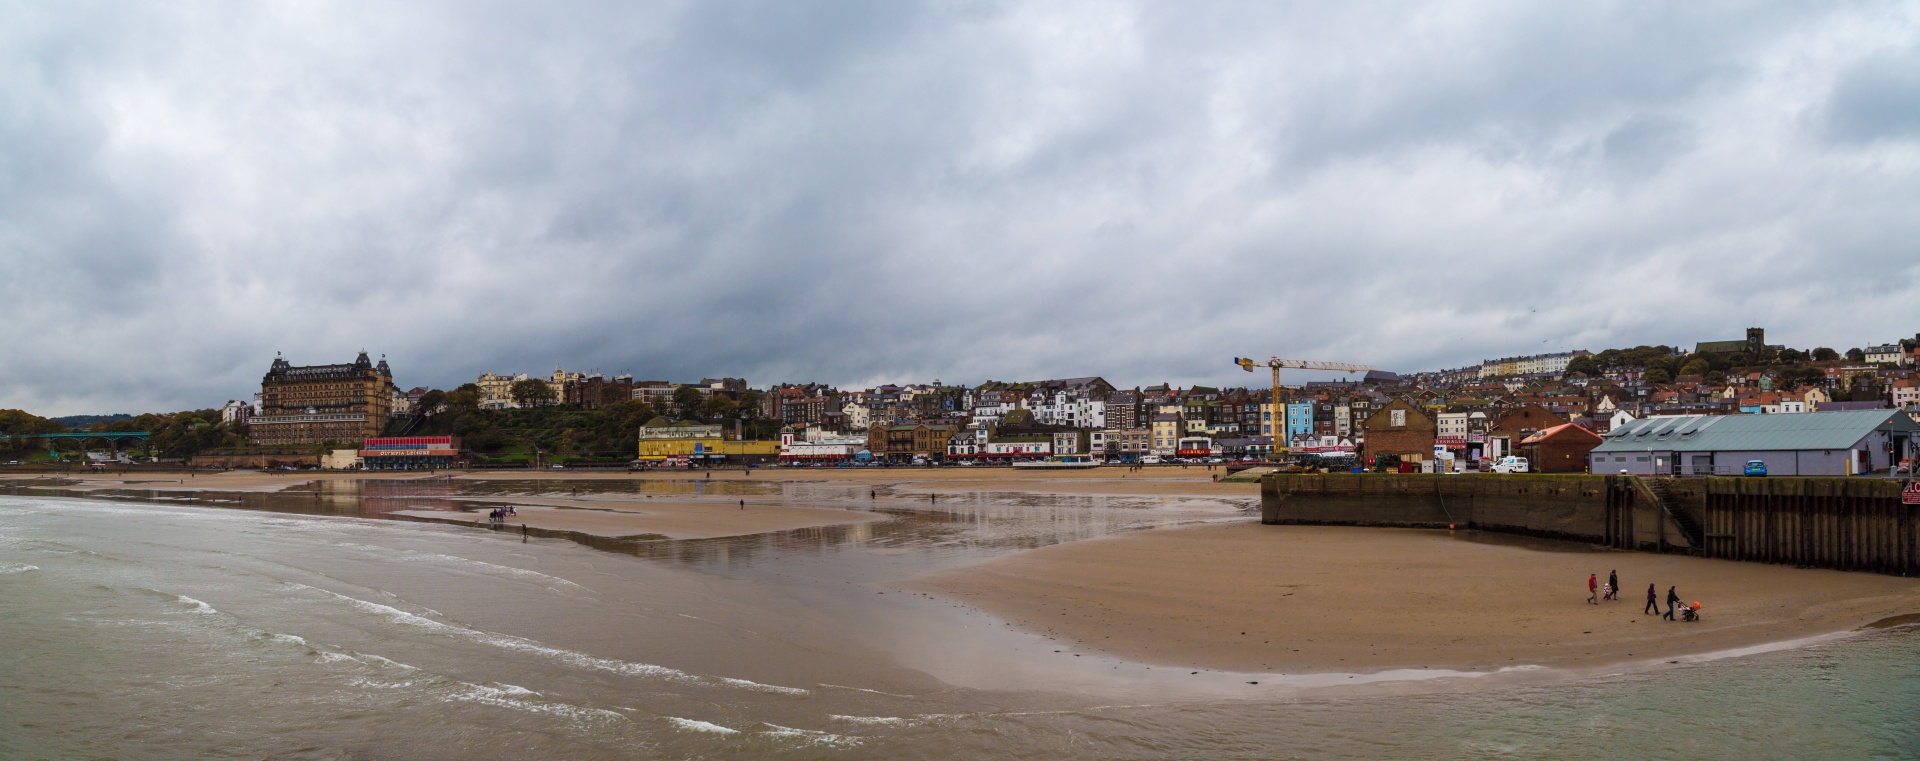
point(1232, 596)
point(1248, 597)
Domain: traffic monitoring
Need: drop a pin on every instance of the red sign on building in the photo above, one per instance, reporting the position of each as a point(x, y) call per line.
point(1912, 495)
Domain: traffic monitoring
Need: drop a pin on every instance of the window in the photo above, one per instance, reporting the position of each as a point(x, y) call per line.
point(1396, 417)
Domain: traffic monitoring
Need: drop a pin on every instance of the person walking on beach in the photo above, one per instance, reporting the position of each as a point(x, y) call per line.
point(743, 504)
point(1613, 580)
point(1673, 598)
point(1606, 592)
point(1653, 601)
point(1593, 589)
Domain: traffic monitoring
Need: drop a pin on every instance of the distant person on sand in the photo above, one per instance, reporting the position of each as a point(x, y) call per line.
point(1613, 580)
point(1606, 591)
point(1673, 598)
point(1653, 600)
point(1593, 589)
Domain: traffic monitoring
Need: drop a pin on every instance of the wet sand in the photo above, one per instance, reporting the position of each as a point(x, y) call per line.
point(1295, 599)
point(656, 519)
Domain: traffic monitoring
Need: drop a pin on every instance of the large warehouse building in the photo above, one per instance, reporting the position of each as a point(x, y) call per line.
point(1804, 444)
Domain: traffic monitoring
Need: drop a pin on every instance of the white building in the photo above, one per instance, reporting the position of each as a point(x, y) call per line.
point(858, 415)
point(966, 443)
point(236, 412)
point(1069, 410)
point(1888, 354)
point(819, 444)
point(1620, 418)
point(1067, 442)
point(994, 406)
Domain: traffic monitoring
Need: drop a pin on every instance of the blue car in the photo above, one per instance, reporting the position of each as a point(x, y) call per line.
point(1755, 468)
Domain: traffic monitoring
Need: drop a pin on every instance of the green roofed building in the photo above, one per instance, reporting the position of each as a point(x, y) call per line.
point(1802, 444)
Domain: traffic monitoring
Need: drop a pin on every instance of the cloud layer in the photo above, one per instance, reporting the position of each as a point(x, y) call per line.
point(863, 192)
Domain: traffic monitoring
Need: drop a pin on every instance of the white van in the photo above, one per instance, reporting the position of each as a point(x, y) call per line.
point(1152, 459)
point(1510, 465)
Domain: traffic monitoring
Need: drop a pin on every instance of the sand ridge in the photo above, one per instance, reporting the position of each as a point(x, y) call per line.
point(656, 517)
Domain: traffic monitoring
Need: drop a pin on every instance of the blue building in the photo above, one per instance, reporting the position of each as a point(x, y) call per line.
point(1299, 419)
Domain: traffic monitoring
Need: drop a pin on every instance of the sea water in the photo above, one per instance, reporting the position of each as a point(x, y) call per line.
point(162, 632)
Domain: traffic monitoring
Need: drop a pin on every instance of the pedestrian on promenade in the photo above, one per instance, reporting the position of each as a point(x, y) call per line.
point(1613, 580)
point(1673, 598)
point(1653, 601)
point(743, 504)
point(523, 532)
point(1593, 589)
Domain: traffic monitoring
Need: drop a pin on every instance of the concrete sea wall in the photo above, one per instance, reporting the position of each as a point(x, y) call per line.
point(1558, 506)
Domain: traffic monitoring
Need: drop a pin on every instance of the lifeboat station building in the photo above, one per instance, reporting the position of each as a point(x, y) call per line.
point(1849, 443)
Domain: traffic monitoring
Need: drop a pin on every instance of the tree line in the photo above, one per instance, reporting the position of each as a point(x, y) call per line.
point(174, 435)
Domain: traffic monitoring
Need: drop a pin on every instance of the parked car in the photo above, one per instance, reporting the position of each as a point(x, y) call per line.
point(1755, 468)
point(1152, 459)
point(1510, 465)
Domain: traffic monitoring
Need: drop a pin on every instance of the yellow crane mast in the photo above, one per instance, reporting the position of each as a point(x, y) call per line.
point(1276, 363)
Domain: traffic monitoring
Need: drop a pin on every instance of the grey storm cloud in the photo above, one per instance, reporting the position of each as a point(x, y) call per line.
point(891, 191)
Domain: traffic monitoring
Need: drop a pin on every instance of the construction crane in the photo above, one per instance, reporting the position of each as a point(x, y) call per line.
point(1298, 364)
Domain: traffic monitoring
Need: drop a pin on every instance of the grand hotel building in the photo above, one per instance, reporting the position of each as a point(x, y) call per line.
point(319, 404)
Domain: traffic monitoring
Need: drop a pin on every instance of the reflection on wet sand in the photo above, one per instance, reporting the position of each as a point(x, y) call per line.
point(955, 529)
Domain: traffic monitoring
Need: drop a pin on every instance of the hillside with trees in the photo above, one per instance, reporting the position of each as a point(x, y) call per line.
point(570, 433)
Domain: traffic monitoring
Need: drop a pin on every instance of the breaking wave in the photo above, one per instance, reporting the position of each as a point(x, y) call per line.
point(572, 658)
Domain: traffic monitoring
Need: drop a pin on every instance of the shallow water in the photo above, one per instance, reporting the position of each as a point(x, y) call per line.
point(305, 629)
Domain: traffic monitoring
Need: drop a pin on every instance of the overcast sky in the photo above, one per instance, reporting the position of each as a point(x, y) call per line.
point(857, 193)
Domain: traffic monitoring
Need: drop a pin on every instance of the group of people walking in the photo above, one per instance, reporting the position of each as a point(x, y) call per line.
point(1610, 592)
point(498, 517)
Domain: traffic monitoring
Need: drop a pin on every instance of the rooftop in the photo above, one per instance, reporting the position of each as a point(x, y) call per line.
point(1704, 433)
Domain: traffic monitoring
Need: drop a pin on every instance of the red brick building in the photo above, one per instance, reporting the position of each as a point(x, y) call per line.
point(1400, 428)
point(1560, 449)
